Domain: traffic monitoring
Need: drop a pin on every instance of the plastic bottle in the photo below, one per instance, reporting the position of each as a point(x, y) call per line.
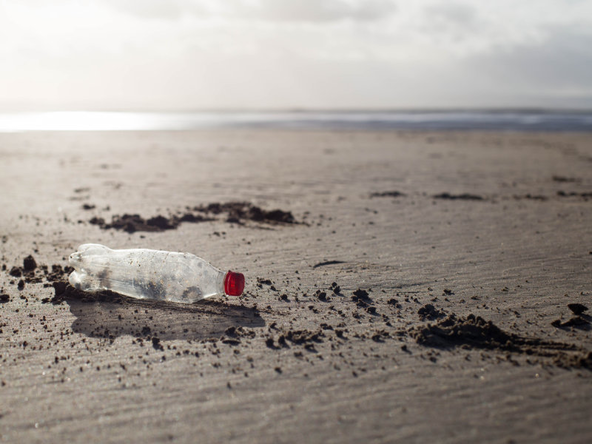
point(151, 274)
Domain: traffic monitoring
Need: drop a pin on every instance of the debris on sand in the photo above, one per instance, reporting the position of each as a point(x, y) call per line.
point(335, 288)
point(29, 263)
point(321, 295)
point(27, 272)
point(430, 313)
point(577, 309)
point(361, 298)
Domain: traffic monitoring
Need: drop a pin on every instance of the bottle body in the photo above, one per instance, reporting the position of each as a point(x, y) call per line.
point(146, 274)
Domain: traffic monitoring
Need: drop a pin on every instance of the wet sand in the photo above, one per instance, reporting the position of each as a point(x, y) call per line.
point(412, 287)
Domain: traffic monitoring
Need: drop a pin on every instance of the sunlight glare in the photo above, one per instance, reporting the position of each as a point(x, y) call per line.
point(75, 121)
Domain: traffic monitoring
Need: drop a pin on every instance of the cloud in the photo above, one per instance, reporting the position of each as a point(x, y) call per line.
point(294, 53)
point(313, 11)
point(458, 14)
point(323, 10)
point(159, 9)
point(560, 62)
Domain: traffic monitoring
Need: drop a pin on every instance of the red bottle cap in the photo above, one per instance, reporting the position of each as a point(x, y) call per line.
point(234, 283)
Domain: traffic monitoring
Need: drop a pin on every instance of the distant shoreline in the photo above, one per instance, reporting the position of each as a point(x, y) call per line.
point(436, 120)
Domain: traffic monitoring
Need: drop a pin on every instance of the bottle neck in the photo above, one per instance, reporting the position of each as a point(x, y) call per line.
point(220, 281)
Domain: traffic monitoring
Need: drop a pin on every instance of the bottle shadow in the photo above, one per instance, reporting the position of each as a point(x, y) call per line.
point(109, 315)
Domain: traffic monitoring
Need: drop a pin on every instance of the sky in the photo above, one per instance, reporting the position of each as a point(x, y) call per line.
point(294, 54)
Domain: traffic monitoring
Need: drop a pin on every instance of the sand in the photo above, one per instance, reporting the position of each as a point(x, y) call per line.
point(412, 287)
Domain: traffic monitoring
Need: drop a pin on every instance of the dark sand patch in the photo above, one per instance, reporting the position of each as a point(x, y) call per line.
point(583, 195)
point(474, 332)
point(463, 196)
point(131, 223)
point(235, 212)
point(241, 212)
point(565, 179)
point(387, 194)
point(532, 197)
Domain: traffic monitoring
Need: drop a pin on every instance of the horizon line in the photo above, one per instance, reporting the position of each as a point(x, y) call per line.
point(518, 109)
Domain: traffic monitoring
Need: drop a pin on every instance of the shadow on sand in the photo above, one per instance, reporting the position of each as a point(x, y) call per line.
point(109, 315)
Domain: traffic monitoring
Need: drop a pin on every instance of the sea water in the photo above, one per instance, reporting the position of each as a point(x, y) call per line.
point(509, 120)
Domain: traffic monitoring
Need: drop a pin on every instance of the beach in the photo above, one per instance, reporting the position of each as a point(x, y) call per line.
point(414, 286)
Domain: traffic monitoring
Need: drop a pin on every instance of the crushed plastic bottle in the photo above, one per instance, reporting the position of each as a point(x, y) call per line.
point(151, 274)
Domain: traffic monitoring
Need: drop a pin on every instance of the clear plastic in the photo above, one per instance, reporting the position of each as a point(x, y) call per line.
point(150, 274)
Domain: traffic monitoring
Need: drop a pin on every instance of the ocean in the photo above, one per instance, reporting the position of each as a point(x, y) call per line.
point(499, 120)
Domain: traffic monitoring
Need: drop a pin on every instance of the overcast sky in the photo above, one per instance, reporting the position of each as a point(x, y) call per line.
point(294, 54)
